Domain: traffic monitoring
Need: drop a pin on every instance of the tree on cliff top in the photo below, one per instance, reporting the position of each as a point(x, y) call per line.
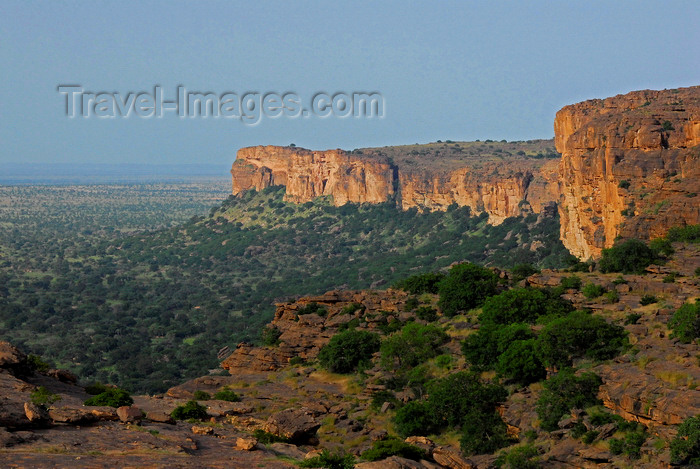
point(629, 257)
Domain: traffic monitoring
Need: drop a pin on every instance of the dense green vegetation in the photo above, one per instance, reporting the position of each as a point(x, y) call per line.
point(189, 410)
point(349, 350)
point(685, 447)
point(149, 310)
point(563, 392)
point(686, 322)
point(112, 397)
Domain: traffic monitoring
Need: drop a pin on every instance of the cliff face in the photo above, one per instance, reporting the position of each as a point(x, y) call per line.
point(309, 174)
point(630, 167)
point(502, 188)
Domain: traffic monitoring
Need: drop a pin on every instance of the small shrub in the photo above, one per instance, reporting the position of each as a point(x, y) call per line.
point(443, 361)
point(298, 360)
point(611, 296)
point(632, 318)
point(590, 436)
point(201, 395)
point(267, 438)
point(411, 303)
point(670, 278)
point(648, 299)
point(313, 308)
point(573, 282)
point(329, 460)
point(483, 433)
point(190, 410)
point(591, 290)
point(383, 449)
point(348, 350)
point(380, 397)
point(685, 322)
point(522, 457)
point(43, 397)
point(667, 125)
point(112, 397)
point(415, 419)
point(688, 234)
point(270, 336)
point(36, 363)
point(620, 280)
point(426, 313)
point(616, 446)
point(352, 308)
point(685, 446)
point(661, 246)
point(624, 184)
point(522, 271)
point(226, 394)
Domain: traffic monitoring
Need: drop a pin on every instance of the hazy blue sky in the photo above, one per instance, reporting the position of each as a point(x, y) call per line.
point(447, 70)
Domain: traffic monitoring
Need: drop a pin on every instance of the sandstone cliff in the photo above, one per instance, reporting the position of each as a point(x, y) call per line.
point(488, 177)
point(630, 167)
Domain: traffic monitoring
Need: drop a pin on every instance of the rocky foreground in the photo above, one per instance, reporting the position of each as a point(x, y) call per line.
point(285, 392)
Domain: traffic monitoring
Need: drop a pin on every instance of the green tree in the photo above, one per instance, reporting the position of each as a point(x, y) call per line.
point(190, 410)
point(580, 334)
point(421, 283)
point(347, 350)
point(465, 287)
point(630, 257)
point(685, 322)
point(522, 305)
point(685, 446)
point(112, 397)
point(563, 392)
point(521, 363)
point(411, 346)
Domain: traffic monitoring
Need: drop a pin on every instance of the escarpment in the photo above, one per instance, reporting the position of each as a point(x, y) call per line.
point(498, 178)
point(630, 167)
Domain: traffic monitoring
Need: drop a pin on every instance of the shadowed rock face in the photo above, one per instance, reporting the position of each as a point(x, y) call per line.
point(500, 187)
point(630, 167)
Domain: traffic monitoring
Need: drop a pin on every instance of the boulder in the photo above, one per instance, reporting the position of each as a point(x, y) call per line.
point(129, 414)
point(12, 358)
point(71, 415)
point(35, 413)
point(451, 458)
point(285, 449)
point(202, 430)
point(294, 424)
point(160, 417)
point(63, 375)
point(246, 444)
point(393, 462)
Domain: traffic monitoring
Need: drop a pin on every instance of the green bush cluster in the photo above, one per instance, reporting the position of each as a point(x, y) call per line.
point(563, 392)
point(465, 287)
point(41, 396)
point(630, 257)
point(573, 282)
point(591, 290)
point(312, 308)
point(267, 438)
point(460, 401)
point(685, 322)
point(226, 394)
point(413, 345)
point(420, 283)
point(522, 305)
point(349, 350)
point(383, 449)
point(112, 397)
point(189, 410)
point(328, 460)
point(270, 336)
point(685, 446)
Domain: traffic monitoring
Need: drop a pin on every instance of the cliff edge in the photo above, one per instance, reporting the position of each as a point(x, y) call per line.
point(630, 167)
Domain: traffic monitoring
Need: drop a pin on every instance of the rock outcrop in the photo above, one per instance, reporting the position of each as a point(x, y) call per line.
point(630, 167)
point(503, 186)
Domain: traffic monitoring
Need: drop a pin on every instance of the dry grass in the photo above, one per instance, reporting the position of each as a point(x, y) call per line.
point(676, 378)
